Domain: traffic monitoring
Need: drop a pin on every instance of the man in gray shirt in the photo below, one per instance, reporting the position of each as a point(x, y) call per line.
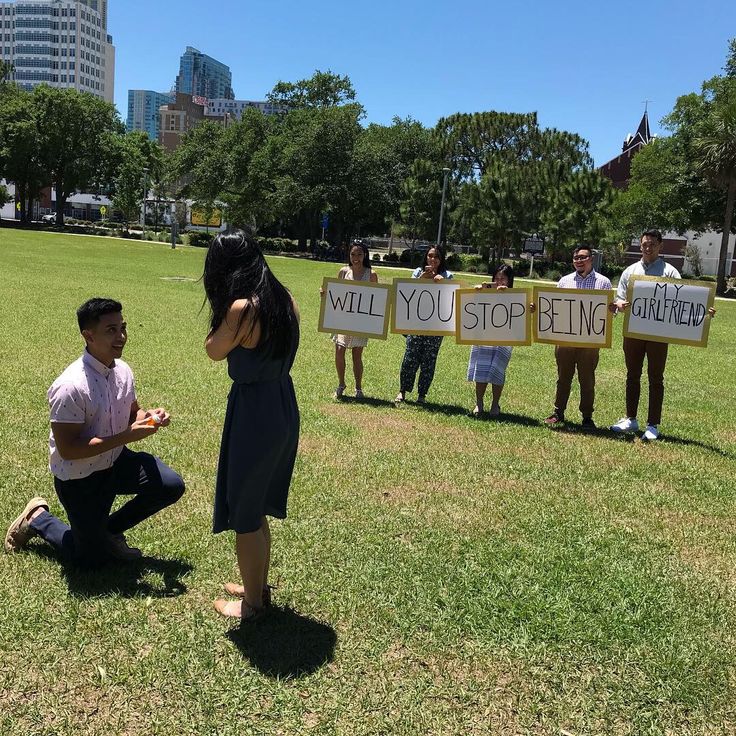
point(636, 350)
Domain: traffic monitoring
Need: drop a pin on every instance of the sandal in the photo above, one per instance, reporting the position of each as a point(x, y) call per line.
point(238, 591)
point(477, 411)
point(339, 391)
point(238, 609)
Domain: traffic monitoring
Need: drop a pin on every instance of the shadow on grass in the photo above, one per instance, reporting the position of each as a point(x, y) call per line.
point(147, 577)
point(606, 434)
point(452, 410)
point(504, 418)
point(368, 400)
point(284, 643)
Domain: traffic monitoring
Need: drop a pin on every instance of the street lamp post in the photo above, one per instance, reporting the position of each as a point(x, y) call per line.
point(145, 193)
point(442, 205)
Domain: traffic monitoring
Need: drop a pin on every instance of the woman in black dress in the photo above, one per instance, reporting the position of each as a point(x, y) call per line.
point(255, 325)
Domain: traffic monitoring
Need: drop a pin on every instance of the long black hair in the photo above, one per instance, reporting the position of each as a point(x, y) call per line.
point(366, 254)
point(507, 271)
point(236, 269)
point(440, 254)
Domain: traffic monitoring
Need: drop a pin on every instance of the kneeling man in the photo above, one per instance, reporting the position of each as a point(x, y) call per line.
point(94, 415)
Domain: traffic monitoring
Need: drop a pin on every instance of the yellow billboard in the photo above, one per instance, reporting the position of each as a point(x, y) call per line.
point(199, 218)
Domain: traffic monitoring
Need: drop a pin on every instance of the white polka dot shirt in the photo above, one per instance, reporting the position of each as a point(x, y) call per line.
point(100, 398)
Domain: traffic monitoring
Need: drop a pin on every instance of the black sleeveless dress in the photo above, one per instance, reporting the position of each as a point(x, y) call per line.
point(259, 439)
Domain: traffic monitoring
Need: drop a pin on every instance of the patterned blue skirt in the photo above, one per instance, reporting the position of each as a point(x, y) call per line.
point(488, 364)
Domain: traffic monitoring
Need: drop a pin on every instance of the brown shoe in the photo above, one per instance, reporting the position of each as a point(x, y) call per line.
point(118, 548)
point(20, 531)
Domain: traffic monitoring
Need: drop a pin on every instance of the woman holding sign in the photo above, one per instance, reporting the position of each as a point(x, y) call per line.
point(358, 269)
point(488, 362)
point(255, 325)
point(421, 350)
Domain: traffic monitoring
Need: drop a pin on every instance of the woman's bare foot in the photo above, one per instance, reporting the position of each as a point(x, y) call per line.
point(237, 609)
point(237, 590)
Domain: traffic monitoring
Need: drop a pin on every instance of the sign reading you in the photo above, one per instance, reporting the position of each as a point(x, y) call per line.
point(668, 310)
point(573, 317)
point(423, 307)
point(493, 317)
point(355, 308)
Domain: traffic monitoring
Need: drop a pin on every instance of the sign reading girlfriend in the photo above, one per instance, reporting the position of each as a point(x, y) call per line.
point(668, 310)
point(423, 307)
point(573, 317)
point(354, 308)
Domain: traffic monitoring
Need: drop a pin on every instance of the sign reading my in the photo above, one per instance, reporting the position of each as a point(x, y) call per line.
point(355, 308)
point(423, 307)
point(493, 317)
point(573, 317)
point(668, 310)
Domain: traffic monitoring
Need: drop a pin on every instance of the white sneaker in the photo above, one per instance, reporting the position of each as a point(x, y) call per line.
point(650, 433)
point(627, 424)
point(339, 391)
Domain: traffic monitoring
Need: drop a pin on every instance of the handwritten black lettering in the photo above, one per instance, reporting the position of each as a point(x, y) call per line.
point(468, 309)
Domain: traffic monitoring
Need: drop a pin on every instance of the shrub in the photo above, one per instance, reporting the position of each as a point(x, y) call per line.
point(553, 275)
point(376, 257)
point(711, 279)
point(198, 239)
point(612, 270)
point(392, 257)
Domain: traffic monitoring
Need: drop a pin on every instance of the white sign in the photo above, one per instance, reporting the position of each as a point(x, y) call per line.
point(424, 307)
point(355, 308)
point(573, 317)
point(493, 317)
point(668, 310)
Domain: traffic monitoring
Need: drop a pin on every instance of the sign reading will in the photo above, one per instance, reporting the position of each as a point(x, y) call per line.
point(668, 310)
point(355, 308)
point(573, 317)
point(423, 307)
point(493, 317)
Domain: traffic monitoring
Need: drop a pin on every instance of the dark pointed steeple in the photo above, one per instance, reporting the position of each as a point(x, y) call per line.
point(642, 136)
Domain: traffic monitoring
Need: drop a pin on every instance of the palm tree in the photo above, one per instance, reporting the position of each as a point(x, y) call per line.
point(715, 146)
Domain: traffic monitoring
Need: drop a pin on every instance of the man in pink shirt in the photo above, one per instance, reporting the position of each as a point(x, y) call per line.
point(94, 416)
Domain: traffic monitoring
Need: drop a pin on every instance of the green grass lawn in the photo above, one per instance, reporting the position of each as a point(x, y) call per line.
point(437, 574)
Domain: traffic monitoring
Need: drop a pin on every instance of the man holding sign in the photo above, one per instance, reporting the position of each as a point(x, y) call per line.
point(635, 350)
point(585, 360)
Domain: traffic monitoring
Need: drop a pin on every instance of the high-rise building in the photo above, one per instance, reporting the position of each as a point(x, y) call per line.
point(177, 119)
point(221, 107)
point(202, 76)
point(143, 110)
point(63, 43)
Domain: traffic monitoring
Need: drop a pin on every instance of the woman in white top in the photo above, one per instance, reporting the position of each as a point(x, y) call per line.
point(358, 269)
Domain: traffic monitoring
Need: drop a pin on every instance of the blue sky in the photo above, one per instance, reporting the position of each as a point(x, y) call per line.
point(583, 66)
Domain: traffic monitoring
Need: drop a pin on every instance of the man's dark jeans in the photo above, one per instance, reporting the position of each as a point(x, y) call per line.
point(88, 501)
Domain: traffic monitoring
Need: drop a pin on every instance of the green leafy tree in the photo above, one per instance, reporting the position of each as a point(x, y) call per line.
point(322, 89)
point(20, 141)
point(74, 136)
point(715, 147)
point(577, 211)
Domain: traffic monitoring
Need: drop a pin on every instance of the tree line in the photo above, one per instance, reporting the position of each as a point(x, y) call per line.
point(281, 174)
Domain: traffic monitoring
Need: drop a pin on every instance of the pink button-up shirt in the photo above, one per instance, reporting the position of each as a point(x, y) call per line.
point(100, 398)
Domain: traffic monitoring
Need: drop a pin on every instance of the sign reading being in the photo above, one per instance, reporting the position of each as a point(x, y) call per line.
point(577, 318)
point(423, 307)
point(493, 317)
point(355, 308)
point(668, 310)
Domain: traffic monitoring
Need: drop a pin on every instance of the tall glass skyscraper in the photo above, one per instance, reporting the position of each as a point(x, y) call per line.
point(143, 110)
point(63, 43)
point(202, 76)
